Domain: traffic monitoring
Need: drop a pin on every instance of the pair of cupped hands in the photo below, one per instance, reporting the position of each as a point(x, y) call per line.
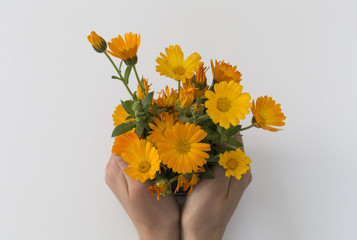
point(205, 214)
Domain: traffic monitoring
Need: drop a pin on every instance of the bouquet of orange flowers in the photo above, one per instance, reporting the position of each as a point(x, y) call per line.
point(174, 139)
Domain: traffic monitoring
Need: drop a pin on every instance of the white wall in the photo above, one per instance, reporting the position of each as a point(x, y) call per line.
point(56, 99)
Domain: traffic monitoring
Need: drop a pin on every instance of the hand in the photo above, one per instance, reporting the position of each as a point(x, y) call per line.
point(153, 219)
point(211, 204)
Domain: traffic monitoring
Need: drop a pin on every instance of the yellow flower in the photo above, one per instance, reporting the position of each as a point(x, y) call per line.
point(185, 184)
point(227, 104)
point(173, 64)
point(225, 72)
point(98, 43)
point(140, 94)
point(143, 159)
point(120, 115)
point(187, 94)
point(267, 113)
point(236, 163)
point(165, 121)
point(201, 80)
point(167, 99)
point(125, 50)
point(124, 141)
point(182, 150)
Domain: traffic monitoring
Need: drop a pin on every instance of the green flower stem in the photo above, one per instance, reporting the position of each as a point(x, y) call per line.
point(174, 179)
point(120, 76)
point(247, 127)
point(140, 82)
point(179, 87)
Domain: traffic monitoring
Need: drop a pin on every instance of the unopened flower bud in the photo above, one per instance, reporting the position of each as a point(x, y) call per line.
point(98, 43)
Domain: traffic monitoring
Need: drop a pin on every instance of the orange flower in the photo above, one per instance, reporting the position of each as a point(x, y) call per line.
point(120, 115)
point(201, 80)
point(162, 123)
point(187, 95)
point(139, 93)
point(124, 141)
point(125, 50)
point(185, 184)
point(167, 98)
point(160, 189)
point(225, 72)
point(98, 43)
point(267, 113)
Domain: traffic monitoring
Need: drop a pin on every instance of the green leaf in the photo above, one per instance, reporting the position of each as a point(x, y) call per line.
point(207, 130)
point(234, 142)
point(127, 74)
point(184, 118)
point(148, 99)
point(208, 173)
point(202, 118)
point(233, 130)
point(139, 130)
point(127, 107)
point(129, 117)
point(115, 77)
point(213, 136)
point(225, 149)
point(123, 128)
point(162, 110)
point(212, 159)
point(155, 108)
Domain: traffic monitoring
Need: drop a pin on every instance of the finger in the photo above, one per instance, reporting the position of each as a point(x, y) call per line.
point(133, 184)
point(114, 177)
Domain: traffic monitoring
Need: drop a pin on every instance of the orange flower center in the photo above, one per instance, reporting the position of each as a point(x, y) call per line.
point(179, 70)
point(144, 167)
point(183, 146)
point(232, 163)
point(223, 104)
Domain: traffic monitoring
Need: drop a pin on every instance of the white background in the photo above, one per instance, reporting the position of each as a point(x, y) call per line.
point(57, 97)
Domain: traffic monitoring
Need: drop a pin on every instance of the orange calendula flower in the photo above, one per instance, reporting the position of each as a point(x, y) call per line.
point(185, 184)
point(143, 159)
point(225, 72)
point(140, 94)
point(267, 113)
point(227, 104)
point(187, 95)
point(201, 80)
point(98, 43)
point(124, 141)
point(161, 187)
point(236, 163)
point(167, 98)
point(173, 64)
point(125, 49)
point(120, 115)
point(182, 150)
point(159, 126)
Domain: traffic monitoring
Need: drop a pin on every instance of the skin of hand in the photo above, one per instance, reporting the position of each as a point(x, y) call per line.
point(153, 219)
point(211, 204)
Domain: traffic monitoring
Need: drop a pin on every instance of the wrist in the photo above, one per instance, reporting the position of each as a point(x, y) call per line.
point(160, 232)
point(214, 233)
